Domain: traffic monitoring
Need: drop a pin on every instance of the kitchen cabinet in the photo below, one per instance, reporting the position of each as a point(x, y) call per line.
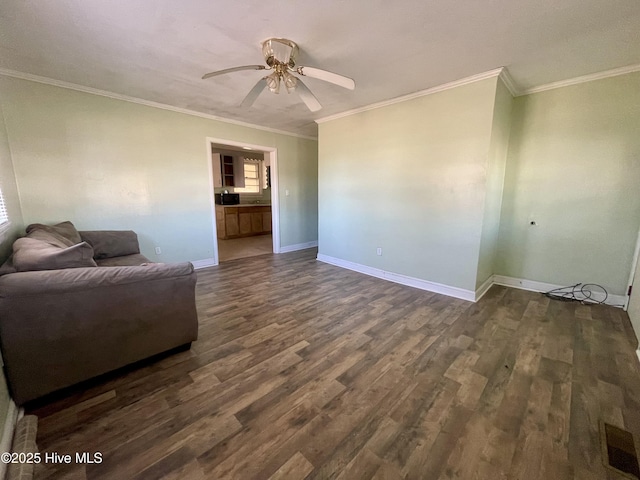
point(228, 170)
point(242, 220)
point(256, 222)
point(232, 228)
point(266, 221)
point(228, 179)
point(216, 159)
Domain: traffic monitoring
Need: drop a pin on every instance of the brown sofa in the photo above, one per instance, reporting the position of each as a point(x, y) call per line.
point(74, 305)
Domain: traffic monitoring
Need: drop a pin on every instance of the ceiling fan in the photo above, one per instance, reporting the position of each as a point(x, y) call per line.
point(280, 55)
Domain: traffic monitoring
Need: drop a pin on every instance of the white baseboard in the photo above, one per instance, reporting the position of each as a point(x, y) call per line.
point(533, 286)
point(469, 295)
point(207, 262)
point(484, 288)
point(7, 432)
point(638, 354)
point(298, 246)
point(399, 278)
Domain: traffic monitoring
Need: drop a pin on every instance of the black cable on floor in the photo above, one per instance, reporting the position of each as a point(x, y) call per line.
point(580, 292)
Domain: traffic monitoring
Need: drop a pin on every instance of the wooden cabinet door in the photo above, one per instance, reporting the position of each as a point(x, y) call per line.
point(220, 226)
point(238, 172)
point(266, 222)
point(245, 223)
point(216, 168)
point(256, 223)
point(231, 222)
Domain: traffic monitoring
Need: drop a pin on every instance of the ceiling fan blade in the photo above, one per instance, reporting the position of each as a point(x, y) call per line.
point(330, 77)
point(234, 69)
point(254, 93)
point(307, 97)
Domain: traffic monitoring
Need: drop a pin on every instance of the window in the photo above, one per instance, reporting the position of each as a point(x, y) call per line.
point(4, 216)
point(251, 178)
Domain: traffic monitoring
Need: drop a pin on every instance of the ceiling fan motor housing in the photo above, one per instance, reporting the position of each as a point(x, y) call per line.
point(280, 51)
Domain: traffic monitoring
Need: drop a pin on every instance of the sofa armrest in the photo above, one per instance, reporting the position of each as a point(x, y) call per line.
point(59, 327)
point(111, 243)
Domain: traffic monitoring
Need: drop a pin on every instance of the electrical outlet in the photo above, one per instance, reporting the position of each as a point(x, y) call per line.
point(158, 250)
point(286, 193)
point(379, 251)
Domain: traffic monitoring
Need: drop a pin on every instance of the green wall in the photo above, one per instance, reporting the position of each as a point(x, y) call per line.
point(574, 168)
point(9, 191)
point(12, 202)
point(498, 148)
point(447, 185)
point(410, 178)
point(110, 164)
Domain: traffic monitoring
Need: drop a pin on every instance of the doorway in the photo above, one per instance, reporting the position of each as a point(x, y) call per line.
point(633, 300)
point(245, 218)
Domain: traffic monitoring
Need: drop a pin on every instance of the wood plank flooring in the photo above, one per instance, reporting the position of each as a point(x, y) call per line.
point(305, 370)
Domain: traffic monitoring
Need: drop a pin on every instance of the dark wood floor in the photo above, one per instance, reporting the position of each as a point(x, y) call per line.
point(306, 370)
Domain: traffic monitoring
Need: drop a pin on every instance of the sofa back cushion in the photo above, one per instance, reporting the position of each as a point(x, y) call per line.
point(31, 254)
point(111, 243)
point(64, 234)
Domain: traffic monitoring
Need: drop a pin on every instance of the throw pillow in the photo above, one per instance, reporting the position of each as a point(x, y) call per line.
point(31, 254)
point(64, 229)
point(51, 237)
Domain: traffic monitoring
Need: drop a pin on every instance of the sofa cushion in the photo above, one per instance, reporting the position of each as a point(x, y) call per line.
point(111, 243)
point(123, 261)
point(64, 230)
point(32, 254)
point(8, 267)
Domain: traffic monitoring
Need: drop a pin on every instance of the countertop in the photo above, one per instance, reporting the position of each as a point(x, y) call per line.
point(246, 205)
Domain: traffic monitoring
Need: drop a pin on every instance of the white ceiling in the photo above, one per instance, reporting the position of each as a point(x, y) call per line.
point(158, 50)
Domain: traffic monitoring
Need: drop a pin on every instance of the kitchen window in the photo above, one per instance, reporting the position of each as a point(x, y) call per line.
point(251, 178)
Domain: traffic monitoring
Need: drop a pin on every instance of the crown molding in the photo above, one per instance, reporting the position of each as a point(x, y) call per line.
point(116, 96)
point(508, 82)
point(582, 79)
point(502, 73)
point(429, 91)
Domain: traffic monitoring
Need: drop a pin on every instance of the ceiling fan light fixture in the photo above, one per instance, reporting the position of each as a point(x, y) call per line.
point(290, 82)
point(273, 82)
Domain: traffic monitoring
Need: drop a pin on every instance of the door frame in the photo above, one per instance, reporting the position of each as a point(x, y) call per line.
point(272, 152)
point(634, 264)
